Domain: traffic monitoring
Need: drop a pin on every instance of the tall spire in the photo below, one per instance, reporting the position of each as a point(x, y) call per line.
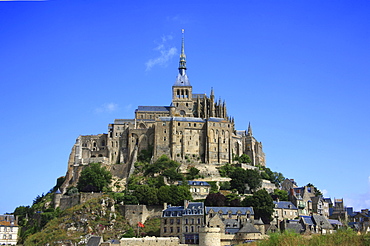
point(250, 133)
point(182, 78)
point(182, 63)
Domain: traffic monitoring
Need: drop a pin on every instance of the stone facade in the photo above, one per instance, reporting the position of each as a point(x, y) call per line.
point(8, 230)
point(183, 222)
point(193, 129)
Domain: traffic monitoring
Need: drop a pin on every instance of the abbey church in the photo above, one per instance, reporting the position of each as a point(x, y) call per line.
point(194, 128)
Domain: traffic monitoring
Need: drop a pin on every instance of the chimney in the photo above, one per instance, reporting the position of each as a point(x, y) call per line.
point(186, 204)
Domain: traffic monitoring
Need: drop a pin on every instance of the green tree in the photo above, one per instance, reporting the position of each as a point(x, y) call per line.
point(215, 200)
point(172, 175)
point(179, 193)
point(158, 167)
point(146, 195)
point(240, 177)
point(226, 170)
point(316, 191)
point(94, 178)
point(192, 173)
point(282, 194)
point(262, 204)
point(278, 178)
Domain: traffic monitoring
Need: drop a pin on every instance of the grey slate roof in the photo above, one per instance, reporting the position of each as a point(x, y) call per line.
point(153, 108)
point(93, 241)
point(123, 121)
point(307, 220)
point(321, 221)
point(285, 205)
point(335, 222)
point(185, 119)
point(200, 183)
point(182, 80)
point(214, 119)
point(234, 210)
point(296, 227)
point(231, 223)
point(248, 228)
point(199, 95)
point(194, 208)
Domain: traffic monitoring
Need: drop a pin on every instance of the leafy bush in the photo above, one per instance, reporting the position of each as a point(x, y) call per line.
point(94, 178)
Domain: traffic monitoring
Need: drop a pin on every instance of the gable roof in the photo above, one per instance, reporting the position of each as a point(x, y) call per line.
point(248, 228)
point(307, 220)
point(153, 109)
point(233, 210)
point(94, 241)
point(321, 221)
point(193, 208)
point(284, 205)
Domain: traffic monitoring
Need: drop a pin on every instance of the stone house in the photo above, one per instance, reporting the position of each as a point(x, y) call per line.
point(8, 230)
point(284, 210)
point(183, 222)
point(198, 189)
point(301, 198)
point(320, 206)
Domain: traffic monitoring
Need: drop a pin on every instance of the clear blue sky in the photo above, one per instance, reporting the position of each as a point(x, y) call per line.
point(297, 70)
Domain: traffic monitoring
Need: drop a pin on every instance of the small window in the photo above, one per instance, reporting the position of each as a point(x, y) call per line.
point(178, 124)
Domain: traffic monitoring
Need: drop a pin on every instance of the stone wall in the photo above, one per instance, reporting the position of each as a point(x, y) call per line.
point(148, 241)
point(75, 199)
point(140, 213)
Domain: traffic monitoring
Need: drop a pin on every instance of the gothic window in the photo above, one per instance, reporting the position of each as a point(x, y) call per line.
point(164, 229)
point(192, 229)
point(186, 229)
point(103, 143)
point(94, 144)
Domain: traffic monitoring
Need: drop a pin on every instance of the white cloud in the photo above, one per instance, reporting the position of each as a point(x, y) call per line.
point(359, 201)
point(128, 107)
point(324, 192)
point(107, 108)
point(166, 53)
